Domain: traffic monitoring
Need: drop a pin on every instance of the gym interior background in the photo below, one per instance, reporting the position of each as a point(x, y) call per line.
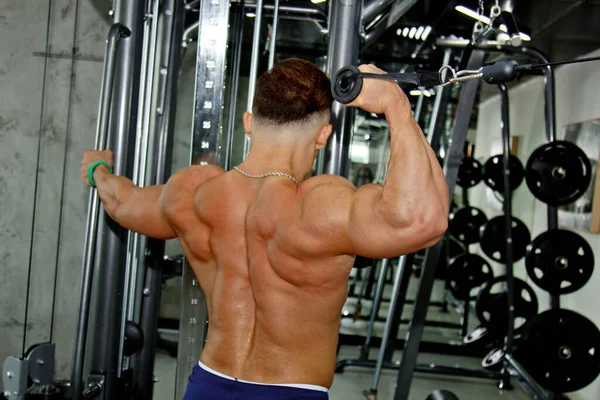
point(51, 72)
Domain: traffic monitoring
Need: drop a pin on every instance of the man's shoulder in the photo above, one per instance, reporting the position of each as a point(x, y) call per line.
point(326, 180)
point(195, 175)
point(326, 186)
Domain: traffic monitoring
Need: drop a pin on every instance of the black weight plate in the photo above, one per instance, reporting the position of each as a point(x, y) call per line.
point(559, 261)
point(467, 273)
point(469, 173)
point(558, 173)
point(492, 305)
point(493, 173)
point(563, 350)
point(478, 335)
point(493, 239)
point(494, 359)
point(465, 224)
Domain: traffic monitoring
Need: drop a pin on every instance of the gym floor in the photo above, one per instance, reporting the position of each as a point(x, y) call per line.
point(351, 384)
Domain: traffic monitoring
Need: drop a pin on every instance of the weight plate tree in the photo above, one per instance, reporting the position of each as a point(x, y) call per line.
point(558, 173)
point(469, 173)
point(559, 261)
point(562, 350)
point(493, 241)
point(466, 223)
point(492, 306)
point(466, 274)
point(493, 173)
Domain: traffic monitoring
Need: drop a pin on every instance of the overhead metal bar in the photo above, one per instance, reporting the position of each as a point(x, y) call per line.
point(373, 8)
point(397, 11)
point(289, 9)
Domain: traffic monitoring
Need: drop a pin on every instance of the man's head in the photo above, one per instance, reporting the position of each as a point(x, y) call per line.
point(292, 102)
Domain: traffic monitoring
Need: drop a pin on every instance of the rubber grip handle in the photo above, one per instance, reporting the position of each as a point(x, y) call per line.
point(347, 84)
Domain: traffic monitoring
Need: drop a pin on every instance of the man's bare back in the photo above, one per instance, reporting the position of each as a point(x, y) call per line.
point(274, 298)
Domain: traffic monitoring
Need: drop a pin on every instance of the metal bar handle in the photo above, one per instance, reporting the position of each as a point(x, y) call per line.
point(115, 34)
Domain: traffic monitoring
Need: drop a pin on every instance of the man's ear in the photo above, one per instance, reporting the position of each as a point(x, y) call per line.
point(323, 135)
point(248, 123)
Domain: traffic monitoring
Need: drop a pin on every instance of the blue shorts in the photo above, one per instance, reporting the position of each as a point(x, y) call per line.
point(207, 384)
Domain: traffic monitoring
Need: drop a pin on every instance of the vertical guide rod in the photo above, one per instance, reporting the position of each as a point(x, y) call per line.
point(238, 32)
point(115, 34)
point(206, 135)
point(451, 164)
point(273, 34)
point(507, 228)
point(550, 120)
point(438, 114)
point(253, 65)
point(171, 30)
point(344, 41)
point(375, 307)
point(388, 326)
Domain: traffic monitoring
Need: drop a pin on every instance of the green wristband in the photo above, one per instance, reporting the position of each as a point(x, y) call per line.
point(91, 171)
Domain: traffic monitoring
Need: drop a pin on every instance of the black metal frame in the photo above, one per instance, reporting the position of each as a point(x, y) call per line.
point(103, 358)
point(171, 17)
point(451, 165)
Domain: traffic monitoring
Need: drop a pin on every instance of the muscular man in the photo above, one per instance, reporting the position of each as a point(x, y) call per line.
point(273, 250)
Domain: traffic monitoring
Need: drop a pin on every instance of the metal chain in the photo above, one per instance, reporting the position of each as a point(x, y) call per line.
point(282, 174)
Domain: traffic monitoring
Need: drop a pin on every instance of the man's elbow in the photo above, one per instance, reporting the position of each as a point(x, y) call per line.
point(431, 225)
point(438, 226)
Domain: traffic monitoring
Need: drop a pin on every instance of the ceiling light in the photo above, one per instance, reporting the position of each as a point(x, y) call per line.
point(419, 33)
point(399, 31)
point(426, 33)
point(317, 1)
point(405, 32)
point(525, 36)
point(250, 14)
point(472, 14)
point(412, 32)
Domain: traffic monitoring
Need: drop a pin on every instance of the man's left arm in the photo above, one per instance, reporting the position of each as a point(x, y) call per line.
point(137, 209)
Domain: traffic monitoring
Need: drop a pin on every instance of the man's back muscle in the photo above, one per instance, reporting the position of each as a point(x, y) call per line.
point(274, 298)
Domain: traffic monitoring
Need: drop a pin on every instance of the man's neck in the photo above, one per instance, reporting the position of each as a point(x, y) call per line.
point(293, 160)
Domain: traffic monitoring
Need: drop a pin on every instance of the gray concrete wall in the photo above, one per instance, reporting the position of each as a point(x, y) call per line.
point(50, 103)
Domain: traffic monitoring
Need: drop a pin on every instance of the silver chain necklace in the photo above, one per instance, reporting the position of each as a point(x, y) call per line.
point(283, 174)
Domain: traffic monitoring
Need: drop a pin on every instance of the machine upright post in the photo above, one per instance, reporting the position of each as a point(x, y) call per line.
point(109, 275)
point(206, 132)
point(344, 23)
point(451, 164)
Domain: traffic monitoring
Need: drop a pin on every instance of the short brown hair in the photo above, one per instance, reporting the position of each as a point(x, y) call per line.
point(291, 91)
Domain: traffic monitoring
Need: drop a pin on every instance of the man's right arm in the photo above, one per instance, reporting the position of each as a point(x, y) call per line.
point(410, 211)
